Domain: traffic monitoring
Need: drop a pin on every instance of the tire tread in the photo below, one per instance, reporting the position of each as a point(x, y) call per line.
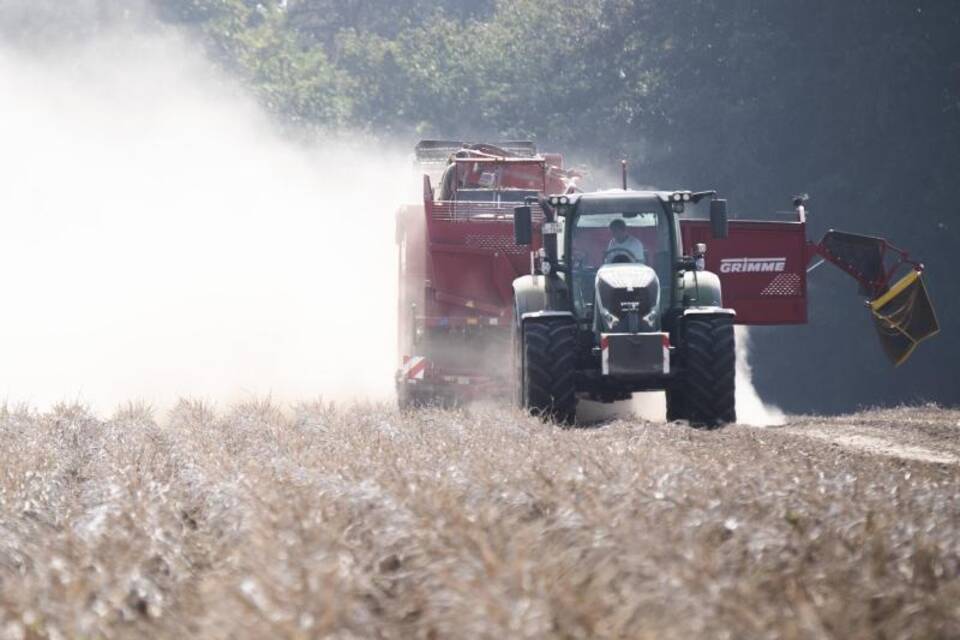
point(709, 386)
point(549, 369)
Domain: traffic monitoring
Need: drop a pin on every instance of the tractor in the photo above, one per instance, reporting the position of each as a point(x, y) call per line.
point(604, 317)
point(624, 297)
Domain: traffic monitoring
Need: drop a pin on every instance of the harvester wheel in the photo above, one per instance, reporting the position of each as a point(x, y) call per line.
point(707, 398)
point(548, 365)
point(408, 399)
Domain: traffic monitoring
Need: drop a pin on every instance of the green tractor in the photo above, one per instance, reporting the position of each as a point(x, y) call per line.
point(613, 306)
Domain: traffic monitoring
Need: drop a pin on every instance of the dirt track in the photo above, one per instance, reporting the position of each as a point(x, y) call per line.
point(360, 522)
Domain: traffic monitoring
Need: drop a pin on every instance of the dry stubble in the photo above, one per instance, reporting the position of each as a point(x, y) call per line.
point(358, 522)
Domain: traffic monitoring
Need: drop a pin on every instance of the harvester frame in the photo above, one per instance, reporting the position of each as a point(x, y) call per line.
point(457, 259)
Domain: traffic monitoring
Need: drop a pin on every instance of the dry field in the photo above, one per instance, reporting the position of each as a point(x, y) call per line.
point(360, 522)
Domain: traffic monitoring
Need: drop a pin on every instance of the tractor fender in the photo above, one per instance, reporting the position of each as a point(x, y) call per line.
point(539, 315)
point(535, 296)
point(529, 294)
point(701, 289)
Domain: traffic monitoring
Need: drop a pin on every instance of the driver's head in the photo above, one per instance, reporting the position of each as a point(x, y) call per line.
point(619, 230)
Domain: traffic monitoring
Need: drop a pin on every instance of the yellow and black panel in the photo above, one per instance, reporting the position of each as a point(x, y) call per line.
point(904, 317)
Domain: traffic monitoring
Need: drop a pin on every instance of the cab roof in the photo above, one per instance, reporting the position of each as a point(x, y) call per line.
point(625, 200)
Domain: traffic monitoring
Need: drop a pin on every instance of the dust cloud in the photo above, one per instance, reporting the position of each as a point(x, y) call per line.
point(750, 408)
point(162, 239)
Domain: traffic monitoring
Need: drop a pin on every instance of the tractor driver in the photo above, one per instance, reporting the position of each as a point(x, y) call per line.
point(631, 249)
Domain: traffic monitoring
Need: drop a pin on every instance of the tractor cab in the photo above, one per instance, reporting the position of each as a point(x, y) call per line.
point(614, 245)
point(609, 240)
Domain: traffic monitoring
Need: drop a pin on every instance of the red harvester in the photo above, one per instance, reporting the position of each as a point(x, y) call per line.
point(504, 290)
point(457, 263)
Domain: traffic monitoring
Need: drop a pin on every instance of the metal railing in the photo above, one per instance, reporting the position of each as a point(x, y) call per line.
point(465, 211)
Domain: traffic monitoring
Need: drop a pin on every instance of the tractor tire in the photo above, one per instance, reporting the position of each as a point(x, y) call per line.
point(707, 396)
point(548, 364)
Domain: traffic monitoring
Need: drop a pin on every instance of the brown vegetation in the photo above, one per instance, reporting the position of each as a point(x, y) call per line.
point(359, 522)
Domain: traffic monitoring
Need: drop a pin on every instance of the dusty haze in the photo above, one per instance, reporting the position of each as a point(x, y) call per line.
point(162, 239)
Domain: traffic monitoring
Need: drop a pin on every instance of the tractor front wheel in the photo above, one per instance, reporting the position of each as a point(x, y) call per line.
point(706, 396)
point(548, 359)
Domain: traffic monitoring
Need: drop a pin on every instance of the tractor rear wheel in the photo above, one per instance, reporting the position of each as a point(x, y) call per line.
point(707, 396)
point(547, 385)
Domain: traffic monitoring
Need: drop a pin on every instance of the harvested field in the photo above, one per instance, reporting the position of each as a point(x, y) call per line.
point(360, 522)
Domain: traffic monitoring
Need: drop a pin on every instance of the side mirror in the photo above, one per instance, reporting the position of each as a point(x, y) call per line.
point(523, 226)
point(718, 219)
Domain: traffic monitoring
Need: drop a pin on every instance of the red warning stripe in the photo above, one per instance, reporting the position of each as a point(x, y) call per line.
point(414, 367)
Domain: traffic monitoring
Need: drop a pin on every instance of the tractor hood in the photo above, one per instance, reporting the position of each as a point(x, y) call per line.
point(627, 298)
